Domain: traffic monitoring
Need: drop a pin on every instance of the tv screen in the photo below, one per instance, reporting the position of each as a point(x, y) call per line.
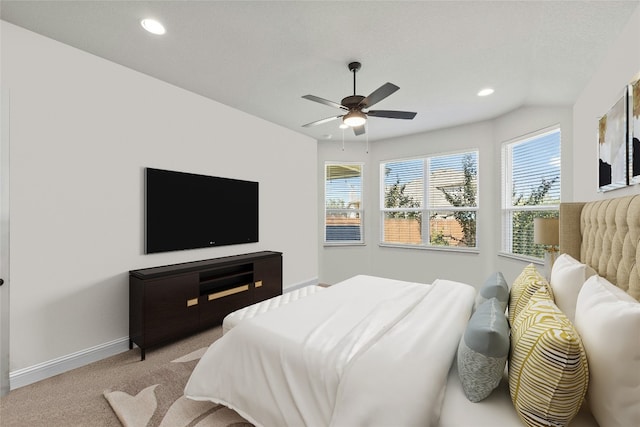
point(188, 211)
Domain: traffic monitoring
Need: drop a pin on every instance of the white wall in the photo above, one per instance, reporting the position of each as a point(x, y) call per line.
point(579, 178)
point(579, 125)
point(620, 67)
point(422, 265)
point(82, 130)
point(339, 263)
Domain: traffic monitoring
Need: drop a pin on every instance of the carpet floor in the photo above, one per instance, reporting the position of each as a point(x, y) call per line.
point(77, 397)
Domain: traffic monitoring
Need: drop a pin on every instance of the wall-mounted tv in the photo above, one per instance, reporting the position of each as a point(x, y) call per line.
point(189, 211)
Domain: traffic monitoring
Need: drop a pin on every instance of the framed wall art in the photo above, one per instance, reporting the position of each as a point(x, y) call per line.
point(612, 147)
point(634, 132)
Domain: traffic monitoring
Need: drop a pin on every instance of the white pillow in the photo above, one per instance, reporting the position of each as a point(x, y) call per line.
point(567, 277)
point(608, 320)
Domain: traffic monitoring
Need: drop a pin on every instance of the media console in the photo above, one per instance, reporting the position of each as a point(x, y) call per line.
point(172, 301)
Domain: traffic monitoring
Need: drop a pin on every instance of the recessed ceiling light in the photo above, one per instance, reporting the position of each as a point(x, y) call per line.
point(485, 92)
point(153, 26)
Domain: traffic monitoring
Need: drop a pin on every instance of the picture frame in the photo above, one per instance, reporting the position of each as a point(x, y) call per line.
point(634, 133)
point(613, 156)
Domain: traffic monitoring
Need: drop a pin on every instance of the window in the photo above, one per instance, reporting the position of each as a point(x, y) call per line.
point(442, 189)
point(343, 203)
point(530, 188)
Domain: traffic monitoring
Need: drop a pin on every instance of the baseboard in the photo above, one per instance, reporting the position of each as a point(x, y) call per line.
point(41, 371)
point(299, 285)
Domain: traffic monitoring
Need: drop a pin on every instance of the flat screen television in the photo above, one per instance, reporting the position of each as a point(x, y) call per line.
point(189, 211)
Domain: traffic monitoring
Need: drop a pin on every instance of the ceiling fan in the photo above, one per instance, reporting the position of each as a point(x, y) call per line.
point(357, 106)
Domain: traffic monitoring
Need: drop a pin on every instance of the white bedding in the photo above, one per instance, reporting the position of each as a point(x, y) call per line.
point(368, 351)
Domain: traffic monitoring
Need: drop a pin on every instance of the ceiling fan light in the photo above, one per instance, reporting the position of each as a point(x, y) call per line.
point(354, 119)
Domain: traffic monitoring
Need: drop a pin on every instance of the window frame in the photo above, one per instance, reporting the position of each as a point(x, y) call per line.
point(360, 210)
point(507, 183)
point(425, 209)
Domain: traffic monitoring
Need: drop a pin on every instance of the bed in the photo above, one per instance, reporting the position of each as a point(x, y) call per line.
point(380, 352)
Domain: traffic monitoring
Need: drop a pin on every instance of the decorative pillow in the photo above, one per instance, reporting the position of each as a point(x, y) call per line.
point(494, 287)
point(548, 371)
point(567, 277)
point(608, 320)
point(525, 285)
point(483, 350)
point(544, 305)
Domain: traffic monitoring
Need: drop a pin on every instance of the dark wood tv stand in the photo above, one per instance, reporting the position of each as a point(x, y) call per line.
point(172, 301)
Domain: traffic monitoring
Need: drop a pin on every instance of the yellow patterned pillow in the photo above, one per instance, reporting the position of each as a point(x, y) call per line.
point(525, 285)
point(548, 371)
point(544, 305)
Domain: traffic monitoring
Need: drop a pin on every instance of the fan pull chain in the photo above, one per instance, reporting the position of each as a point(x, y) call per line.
point(342, 139)
point(367, 134)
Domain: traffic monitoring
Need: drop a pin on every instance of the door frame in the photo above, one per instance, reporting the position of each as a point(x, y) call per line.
point(5, 121)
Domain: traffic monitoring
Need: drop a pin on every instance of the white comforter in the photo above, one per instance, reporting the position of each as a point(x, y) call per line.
point(366, 352)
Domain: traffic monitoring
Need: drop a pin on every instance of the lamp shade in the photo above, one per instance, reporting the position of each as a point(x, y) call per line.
point(546, 231)
point(354, 118)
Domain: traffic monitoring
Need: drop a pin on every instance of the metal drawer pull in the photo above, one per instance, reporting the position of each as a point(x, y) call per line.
point(191, 302)
point(228, 292)
point(258, 283)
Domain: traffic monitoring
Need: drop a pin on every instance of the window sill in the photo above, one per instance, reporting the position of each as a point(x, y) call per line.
point(342, 244)
point(524, 258)
point(431, 248)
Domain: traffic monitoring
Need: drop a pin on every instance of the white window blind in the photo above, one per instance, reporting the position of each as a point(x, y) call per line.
point(343, 203)
point(530, 188)
point(430, 201)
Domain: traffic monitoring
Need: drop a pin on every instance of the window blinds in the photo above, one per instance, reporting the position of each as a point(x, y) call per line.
point(343, 203)
point(430, 201)
point(531, 188)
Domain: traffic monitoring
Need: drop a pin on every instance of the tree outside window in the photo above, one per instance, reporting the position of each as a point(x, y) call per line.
point(441, 188)
point(531, 188)
point(343, 203)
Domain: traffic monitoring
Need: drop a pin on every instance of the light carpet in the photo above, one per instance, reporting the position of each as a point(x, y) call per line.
point(156, 400)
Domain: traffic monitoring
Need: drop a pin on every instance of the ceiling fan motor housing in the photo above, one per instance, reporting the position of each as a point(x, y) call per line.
point(358, 109)
point(352, 102)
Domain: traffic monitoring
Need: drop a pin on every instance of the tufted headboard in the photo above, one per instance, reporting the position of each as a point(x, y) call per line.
point(605, 234)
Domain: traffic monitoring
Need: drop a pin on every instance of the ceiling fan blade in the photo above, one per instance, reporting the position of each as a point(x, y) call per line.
point(324, 101)
point(379, 94)
point(390, 114)
point(321, 121)
point(358, 130)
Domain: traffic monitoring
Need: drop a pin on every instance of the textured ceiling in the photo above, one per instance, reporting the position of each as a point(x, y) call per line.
point(262, 56)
